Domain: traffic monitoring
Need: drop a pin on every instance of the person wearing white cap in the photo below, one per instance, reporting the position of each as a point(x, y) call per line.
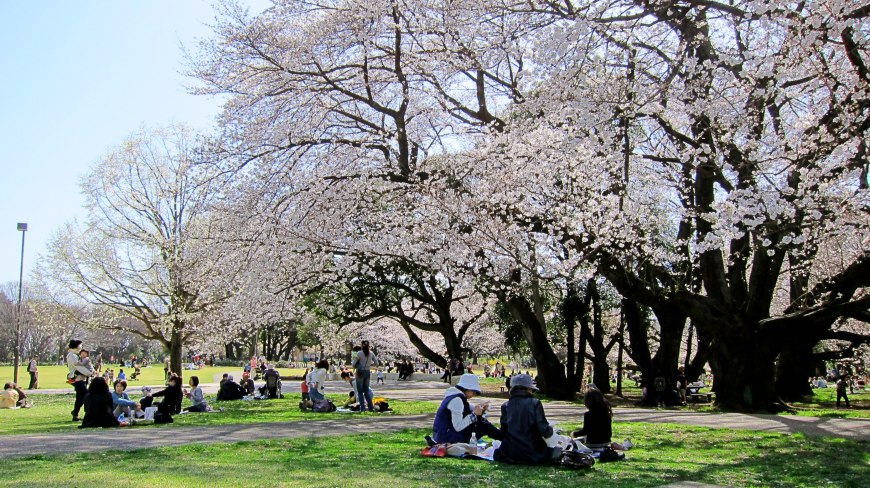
point(456, 420)
point(527, 437)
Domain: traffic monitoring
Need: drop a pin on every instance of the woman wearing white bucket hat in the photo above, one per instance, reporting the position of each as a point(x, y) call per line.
point(456, 420)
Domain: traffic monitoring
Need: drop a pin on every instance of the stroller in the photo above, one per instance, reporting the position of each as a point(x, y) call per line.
point(136, 373)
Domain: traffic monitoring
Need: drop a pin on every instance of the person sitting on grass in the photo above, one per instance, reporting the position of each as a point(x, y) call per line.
point(23, 400)
point(121, 401)
point(316, 380)
point(122, 376)
point(526, 436)
point(247, 384)
point(8, 397)
point(230, 390)
point(172, 395)
point(99, 406)
point(196, 396)
point(597, 429)
point(456, 420)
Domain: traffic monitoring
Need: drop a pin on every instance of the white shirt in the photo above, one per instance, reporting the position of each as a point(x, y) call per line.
point(316, 379)
point(456, 408)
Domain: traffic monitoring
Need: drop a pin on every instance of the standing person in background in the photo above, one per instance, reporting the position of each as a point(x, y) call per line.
point(33, 369)
point(681, 383)
point(842, 384)
point(98, 361)
point(80, 370)
point(363, 362)
point(166, 370)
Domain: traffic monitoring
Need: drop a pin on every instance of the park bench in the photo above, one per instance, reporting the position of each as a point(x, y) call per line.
point(695, 394)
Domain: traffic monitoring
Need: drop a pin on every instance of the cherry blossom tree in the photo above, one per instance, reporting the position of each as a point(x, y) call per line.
point(696, 154)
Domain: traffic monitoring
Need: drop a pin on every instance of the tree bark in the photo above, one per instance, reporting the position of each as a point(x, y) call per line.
point(175, 346)
point(552, 379)
point(793, 369)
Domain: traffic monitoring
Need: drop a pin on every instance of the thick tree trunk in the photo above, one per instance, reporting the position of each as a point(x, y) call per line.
point(744, 372)
point(600, 366)
point(793, 369)
point(552, 379)
point(424, 350)
point(571, 309)
point(175, 346)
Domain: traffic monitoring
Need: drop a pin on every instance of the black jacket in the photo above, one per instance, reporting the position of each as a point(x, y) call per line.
point(172, 396)
point(230, 390)
point(523, 428)
point(98, 411)
point(596, 427)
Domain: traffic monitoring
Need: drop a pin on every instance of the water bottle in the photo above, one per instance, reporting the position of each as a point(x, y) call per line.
point(473, 443)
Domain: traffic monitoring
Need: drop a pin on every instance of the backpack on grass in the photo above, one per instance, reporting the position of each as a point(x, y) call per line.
point(324, 406)
point(576, 460)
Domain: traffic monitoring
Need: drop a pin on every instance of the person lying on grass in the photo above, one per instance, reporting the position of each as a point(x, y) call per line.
point(527, 437)
point(99, 406)
point(456, 420)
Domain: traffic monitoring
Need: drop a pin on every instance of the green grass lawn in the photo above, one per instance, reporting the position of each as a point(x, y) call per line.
point(53, 377)
point(52, 413)
point(665, 453)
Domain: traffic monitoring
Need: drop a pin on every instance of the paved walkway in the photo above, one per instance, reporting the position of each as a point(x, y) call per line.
point(143, 438)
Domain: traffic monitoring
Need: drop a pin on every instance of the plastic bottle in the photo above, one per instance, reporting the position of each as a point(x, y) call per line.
point(473, 443)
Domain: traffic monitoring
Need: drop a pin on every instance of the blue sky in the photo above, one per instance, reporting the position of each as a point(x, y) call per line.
point(77, 78)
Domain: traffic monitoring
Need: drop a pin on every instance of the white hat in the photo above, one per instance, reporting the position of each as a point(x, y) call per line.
point(469, 381)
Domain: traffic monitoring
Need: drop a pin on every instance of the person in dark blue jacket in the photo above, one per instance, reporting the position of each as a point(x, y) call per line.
point(524, 428)
point(456, 419)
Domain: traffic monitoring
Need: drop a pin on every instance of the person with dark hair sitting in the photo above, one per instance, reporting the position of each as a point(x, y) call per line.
point(196, 396)
point(247, 384)
point(456, 420)
point(597, 420)
point(99, 406)
point(121, 401)
point(230, 390)
point(526, 434)
point(172, 396)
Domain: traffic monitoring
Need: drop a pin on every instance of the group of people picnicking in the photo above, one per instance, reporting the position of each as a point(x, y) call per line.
point(524, 435)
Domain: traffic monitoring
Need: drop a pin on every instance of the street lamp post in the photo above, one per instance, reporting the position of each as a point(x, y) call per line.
point(23, 228)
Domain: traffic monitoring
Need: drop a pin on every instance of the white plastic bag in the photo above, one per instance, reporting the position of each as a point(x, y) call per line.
point(149, 413)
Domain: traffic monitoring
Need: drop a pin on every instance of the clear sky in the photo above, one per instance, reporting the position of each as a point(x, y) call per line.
point(77, 78)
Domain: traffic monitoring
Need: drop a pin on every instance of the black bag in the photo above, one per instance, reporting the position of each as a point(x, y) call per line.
point(576, 460)
point(162, 418)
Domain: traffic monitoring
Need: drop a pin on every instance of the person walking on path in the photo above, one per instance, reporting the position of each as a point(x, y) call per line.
point(33, 369)
point(363, 362)
point(842, 384)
